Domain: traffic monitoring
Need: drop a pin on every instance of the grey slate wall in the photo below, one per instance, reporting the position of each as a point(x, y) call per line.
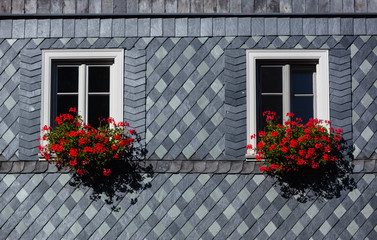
point(185, 93)
point(185, 88)
point(182, 206)
point(185, 6)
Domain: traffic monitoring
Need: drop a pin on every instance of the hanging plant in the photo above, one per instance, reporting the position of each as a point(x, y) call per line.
point(309, 161)
point(84, 149)
point(294, 146)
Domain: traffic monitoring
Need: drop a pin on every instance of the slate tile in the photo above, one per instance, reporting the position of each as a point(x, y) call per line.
point(270, 26)
point(168, 27)
point(296, 26)
point(131, 27)
point(346, 26)
point(360, 26)
point(41, 167)
point(56, 30)
point(5, 28)
point(231, 26)
point(181, 27)
point(257, 26)
point(68, 28)
point(309, 26)
point(156, 27)
point(321, 26)
point(205, 27)
point(219, 26)
point(94, 27)
point(5, 167)
point(81, 27)
point(371, 26)
point(283, 27)
point(105, 27)
point(31, 28)
point(144, 26)
point(18, 28)
point(194, 27)
point(244, 26)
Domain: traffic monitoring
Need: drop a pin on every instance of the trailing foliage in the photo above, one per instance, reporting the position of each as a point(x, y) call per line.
point(84, 149)
point(309, 161)
point(294, 146)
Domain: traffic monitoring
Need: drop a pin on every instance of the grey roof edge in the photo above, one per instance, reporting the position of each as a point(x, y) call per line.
point(187, 15)
point(171, 166)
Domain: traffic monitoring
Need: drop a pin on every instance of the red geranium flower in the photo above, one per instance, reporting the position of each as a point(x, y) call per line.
point(294, 145)
point(82, 148)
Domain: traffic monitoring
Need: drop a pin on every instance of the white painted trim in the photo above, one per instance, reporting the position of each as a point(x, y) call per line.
point(116, 77)
point(322, 104)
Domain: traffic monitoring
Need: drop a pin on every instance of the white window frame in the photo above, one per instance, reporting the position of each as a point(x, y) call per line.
point(321, 90)
point(116, 77)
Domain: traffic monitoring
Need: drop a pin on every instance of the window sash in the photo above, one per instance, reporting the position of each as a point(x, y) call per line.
point(287, 84)
point(83, 89)
point(76, 56)
point(322, 103)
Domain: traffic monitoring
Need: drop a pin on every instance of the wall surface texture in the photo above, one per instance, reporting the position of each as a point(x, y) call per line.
point(185, 93)
point(182, 206)
point(185, 78)
point(185, 6)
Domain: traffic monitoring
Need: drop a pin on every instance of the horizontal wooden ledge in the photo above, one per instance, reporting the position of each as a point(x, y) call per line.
point(171, 166)
point(187, 15)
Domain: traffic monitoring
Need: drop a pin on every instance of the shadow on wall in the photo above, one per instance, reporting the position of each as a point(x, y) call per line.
point(326, 183)
point(130, 176)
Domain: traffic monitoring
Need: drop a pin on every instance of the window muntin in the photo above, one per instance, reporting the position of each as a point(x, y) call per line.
point(92, 80)
point(321, 87)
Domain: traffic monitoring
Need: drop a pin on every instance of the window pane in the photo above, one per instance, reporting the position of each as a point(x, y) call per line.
point(99, 79)
point(303, 107)
point(271, 79)
point(302, 79)
point(65, 102)
point(98, 107)
point(270, 103)
point(68, 79)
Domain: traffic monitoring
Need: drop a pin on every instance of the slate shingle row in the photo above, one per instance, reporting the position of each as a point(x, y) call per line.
point(185, 6)
point(176, 166)
point(185, 27)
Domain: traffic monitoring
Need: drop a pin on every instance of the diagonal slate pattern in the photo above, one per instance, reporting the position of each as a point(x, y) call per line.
point(193, 88)
point(364, 57)
point(9, 92)
point(134, 90)
point(182, 206)
point(235, 102)
point(30, 101)
point(340, 91)
point(185, 98)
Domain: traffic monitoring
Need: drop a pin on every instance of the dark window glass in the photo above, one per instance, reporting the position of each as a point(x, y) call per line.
point(303, 108)
point(65, 102)
point(270, 88)
point(68, 79)
point(99, 79)
point(302, 79)
point(98, 107)
point(65, 91)
point(271, 79)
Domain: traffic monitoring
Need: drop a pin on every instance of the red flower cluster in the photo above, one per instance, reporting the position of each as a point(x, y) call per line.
point(295, 145)
point(82, 148)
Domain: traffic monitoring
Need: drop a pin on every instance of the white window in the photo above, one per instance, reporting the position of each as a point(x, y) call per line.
point(286, 81)
point(90, 80)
